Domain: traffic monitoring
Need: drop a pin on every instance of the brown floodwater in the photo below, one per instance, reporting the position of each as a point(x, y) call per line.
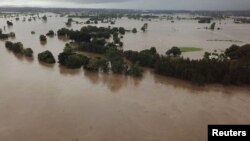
point(41, 102)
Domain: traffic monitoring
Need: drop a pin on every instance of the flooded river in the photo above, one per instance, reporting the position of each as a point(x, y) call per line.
point(44, 103)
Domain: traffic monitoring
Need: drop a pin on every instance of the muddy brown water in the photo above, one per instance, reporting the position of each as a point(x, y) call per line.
point(47, 102)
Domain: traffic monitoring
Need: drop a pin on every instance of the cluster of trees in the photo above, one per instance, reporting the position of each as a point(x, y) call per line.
point(18, 48)
point(90, 32)
point(97, 46)
point(6, 36)
point(118, 65)
point(236, 52)
point(76, 36)
point(231, 67)
point(114, 57)
point(73, 60)
point(204, 20)
point(94, 39)
point(145, 58)
point(46, 57)
point(103, 18)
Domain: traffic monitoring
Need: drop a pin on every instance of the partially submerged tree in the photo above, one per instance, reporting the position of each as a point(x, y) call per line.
point(212, 27)
point(175, 51)
point(28, 52)
point(51, 33)
point(46, 57)
point(9, 23)
point(134, 30)
point(43, 38)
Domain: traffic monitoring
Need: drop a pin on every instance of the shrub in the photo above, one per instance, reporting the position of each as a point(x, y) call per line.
point(9, 45)
point(28, 52)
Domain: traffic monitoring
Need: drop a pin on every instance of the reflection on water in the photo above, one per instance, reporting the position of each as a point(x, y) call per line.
point(113, 82)
point(50, 66)
point(66, 71)
point(49, 102)
point(43, 43)
point(21, 57)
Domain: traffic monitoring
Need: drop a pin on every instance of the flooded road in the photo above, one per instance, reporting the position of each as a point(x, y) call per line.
point(44, 103)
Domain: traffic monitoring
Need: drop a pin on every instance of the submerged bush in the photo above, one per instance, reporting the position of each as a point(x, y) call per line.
point(9, 23)
point(51, 33)
point(134, 30)
point(4, 36)
point(28, 52)
point(43, 38)
point(12, 35)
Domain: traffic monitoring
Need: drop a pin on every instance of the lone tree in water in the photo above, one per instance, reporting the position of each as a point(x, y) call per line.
point(144, 27)
point(9, 23)
point(51, 33)
point(174, 51)
point(44, 18)
point(212, 27)
point(43, 38)
point(28, 52)
point(12, 35)
point(134, 30)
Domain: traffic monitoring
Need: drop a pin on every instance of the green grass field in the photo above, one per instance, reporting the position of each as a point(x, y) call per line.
point(189, 49)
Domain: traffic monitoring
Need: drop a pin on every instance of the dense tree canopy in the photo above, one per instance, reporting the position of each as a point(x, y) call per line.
point(237, 52)
point(91, 32)
point(236, 71)
point(18, 48)
point(146, 58)
point(70, 59)
point(46, 57)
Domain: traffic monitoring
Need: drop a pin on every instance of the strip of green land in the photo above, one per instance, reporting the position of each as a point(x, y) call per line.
point(189, 49)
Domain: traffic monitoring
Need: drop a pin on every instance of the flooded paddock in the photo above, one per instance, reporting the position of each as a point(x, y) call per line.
point(48, 102)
